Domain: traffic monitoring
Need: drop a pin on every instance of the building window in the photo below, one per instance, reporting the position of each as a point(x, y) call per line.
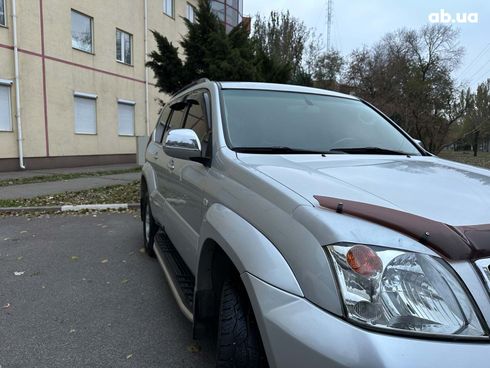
point(85, 113)
point(81, 32)
point(168, 7)
point(124, 47)
point(5, 111)
point(3, 15)
point(218, 9)
point(125, 111)
point(191, 11)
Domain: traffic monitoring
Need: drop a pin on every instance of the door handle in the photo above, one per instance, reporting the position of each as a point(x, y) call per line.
point(171, 164)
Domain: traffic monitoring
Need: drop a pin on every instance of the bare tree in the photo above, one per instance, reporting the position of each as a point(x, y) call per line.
point(409, 75)
point(477, 123)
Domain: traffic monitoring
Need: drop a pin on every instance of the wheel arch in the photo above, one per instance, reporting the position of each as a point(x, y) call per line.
point(229, 245)
point(148, 184)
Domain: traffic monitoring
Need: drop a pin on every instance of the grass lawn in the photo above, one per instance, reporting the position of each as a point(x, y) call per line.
point(466, 157)
point(60, 177)
point(126, 193)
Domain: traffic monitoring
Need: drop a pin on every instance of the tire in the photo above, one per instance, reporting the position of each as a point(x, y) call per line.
point(238, 343)
point(150, 227)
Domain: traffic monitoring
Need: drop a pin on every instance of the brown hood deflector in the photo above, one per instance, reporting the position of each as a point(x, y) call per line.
point(455, 243)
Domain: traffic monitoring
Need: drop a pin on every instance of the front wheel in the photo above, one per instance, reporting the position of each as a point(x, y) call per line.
point(149, 227)
point(239, 344)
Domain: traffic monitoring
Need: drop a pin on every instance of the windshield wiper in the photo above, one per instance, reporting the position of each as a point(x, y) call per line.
point(369, 151)
point(280, 150)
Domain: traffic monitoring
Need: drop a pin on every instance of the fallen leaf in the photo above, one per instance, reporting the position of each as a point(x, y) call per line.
point(124, 281)
point(129, 356)
point(6, 306)
point(20, 258)
point(104, 261)
point(23, 231)
point(142, 250)
point(72, 330)
point(194, 348)
point(19, 273)
point(75, 258)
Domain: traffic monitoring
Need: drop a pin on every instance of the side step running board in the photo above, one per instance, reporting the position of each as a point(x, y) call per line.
point(179, 276)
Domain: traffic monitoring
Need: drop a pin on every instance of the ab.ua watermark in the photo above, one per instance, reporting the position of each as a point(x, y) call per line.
point(444, 17)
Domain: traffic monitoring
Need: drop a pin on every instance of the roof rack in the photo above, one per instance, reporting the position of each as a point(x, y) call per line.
point(199, 81)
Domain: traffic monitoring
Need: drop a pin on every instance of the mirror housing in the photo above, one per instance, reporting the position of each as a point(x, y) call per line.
point(183, 144)
point(419, 142)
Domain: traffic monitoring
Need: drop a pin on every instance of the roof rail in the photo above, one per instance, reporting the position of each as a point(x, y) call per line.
point(199, 81)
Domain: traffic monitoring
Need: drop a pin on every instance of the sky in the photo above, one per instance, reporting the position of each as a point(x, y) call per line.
point(364, 22)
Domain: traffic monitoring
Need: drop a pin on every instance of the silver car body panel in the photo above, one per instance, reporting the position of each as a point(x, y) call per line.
point(249, 250)
point(296, 333)
point(283, 88)
point(149, 175)
point(483, 266)
point(476, 287)
point(426, 186)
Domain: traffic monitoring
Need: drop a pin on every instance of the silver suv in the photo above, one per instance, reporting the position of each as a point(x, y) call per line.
point(309, 230)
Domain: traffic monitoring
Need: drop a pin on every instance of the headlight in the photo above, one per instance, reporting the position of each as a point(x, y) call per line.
point(403, 291)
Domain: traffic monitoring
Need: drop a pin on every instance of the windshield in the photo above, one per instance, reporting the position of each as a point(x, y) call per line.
point(288, 121)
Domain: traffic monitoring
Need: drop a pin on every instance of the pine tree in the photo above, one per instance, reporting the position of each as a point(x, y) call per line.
point(209, 52)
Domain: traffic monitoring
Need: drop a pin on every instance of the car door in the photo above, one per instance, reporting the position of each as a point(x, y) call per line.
point(165, 163)
point(153, 157)
point(185, 178)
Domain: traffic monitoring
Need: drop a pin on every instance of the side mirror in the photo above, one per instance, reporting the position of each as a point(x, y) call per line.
point(183, 144)
point(419, 142)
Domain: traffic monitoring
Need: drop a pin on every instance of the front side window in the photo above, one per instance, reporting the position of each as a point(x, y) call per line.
point(287, 121)
point(126, 118)
point(196, 119)
point(191, 13)
point(124, 45)
point(160, 128)
point(81, 32)
point(3, 16)
point(5, 111)
point(168, 7)
point(85, 115)
point(176, 120)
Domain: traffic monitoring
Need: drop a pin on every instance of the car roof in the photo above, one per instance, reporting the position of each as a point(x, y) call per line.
point(282, 88)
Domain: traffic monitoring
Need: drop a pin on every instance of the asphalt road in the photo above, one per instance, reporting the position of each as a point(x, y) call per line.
point(77, 291)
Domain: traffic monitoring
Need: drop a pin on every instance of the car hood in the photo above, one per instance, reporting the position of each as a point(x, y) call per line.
point(430, 187)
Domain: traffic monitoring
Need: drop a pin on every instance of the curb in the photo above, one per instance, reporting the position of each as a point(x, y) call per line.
point(71, 208)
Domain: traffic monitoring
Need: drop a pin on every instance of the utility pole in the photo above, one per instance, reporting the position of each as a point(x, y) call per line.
point(329, 23)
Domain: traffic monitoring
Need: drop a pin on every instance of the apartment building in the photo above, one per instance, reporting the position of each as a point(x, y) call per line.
point(74, 89)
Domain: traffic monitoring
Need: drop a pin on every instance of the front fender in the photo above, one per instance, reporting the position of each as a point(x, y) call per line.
point(249, 250)
point(149, 175)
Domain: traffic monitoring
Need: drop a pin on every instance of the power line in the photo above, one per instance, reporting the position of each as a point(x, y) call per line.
point(485, 65)
point(482, 52)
